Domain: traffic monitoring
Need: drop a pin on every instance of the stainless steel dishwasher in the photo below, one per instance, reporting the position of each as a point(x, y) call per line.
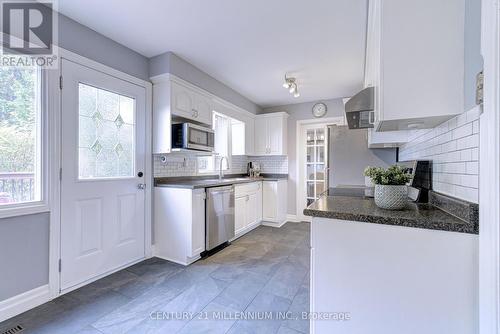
point(219, 219)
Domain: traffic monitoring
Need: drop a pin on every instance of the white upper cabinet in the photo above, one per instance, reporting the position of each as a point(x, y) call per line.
point(182, 101)
point(387, 139)
point(415, 61)
point(261, 136)
point(203, 108)
point(176, 100)
point(271, 134)
point(190, 104)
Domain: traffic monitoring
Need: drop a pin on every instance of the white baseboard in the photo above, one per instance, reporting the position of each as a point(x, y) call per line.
point(246, 230)
point(23, 302)
point(153, 250)
point(182, 263)
point(293, 219)
point(274, 224)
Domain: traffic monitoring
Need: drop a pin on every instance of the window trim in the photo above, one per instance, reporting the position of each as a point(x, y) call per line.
point(42, 164)
point(216, 156)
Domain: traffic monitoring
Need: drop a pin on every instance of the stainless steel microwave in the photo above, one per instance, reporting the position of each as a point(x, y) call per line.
point(192, 137)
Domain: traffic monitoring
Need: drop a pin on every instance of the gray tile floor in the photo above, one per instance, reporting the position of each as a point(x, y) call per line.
point(261, 274)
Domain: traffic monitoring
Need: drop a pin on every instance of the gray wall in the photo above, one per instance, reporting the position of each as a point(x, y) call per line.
point(349, 155)
point(473, 58)
point(86, 42)
point(169, 62)
point(24, 254)
point(301, 111)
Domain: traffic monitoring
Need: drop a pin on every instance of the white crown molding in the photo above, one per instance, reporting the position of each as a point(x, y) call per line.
point(273, 114)
point(168, 77)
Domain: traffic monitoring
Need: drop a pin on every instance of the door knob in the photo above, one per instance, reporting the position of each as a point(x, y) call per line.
point(141, 186)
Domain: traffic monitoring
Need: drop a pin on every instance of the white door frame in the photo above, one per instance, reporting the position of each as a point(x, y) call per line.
point(54, 107)
point(489, 173)
point(300, 155)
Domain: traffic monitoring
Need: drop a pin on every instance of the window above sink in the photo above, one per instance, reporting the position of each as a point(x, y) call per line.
point(229, 141)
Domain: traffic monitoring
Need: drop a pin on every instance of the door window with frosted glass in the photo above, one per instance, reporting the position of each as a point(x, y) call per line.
point(106, 138)
point(315, 163)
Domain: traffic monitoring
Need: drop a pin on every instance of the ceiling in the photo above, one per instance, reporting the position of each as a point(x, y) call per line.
point(247, 44)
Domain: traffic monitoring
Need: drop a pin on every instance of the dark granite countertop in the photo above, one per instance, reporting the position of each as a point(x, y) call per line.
point(363, 209)
point(213, 181)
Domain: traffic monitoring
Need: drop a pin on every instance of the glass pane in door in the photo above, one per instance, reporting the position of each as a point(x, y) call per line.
point(310, 189)
point(320, 137)
point(316, 143)
point(320, 153)
point(106, 136)
point(310, 137)
point(320, 172)
point(310, 154)
point(320, 188)
point(310, 172)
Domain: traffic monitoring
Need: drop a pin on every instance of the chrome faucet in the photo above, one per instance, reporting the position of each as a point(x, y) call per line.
point(221, 172)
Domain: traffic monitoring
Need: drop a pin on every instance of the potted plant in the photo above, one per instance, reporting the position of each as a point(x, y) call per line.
point(391, 191)
point(370, 186)
point(369, 173)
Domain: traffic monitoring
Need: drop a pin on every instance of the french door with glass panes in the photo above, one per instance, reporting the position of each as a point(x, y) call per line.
point(103, 158)
point(316, 162)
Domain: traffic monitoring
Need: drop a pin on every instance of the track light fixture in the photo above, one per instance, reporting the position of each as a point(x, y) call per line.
point(291, 84)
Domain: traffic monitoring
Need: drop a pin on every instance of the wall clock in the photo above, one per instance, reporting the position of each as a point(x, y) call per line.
point(319, 110)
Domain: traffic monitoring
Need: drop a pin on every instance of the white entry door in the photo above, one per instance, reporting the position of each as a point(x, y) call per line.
point(103, 158)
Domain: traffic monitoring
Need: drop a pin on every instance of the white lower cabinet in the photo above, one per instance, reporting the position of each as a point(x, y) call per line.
point(426, 280)
point(247, 207)
point(179, 216)
point(274, 202)
point(179, 224)
point(240, 221)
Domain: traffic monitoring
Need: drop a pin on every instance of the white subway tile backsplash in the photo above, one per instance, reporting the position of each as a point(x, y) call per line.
point(454, 149)
point(463, 131)
point(475, 127)
point(470, 181)
point(472, 168)
point(271, 164)
point(187, 165)
point(475, 154)
point(466, 155)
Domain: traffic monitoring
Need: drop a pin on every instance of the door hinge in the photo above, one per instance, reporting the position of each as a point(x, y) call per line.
point(60, 174)
point(60, 82)
point(60, 265)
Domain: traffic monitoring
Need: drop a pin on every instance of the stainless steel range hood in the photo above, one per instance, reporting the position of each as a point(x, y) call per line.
point(359, 109)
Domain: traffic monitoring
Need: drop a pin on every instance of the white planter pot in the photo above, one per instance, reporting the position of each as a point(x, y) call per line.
point(369, 182)
point(391, 197)
point(370, 187)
